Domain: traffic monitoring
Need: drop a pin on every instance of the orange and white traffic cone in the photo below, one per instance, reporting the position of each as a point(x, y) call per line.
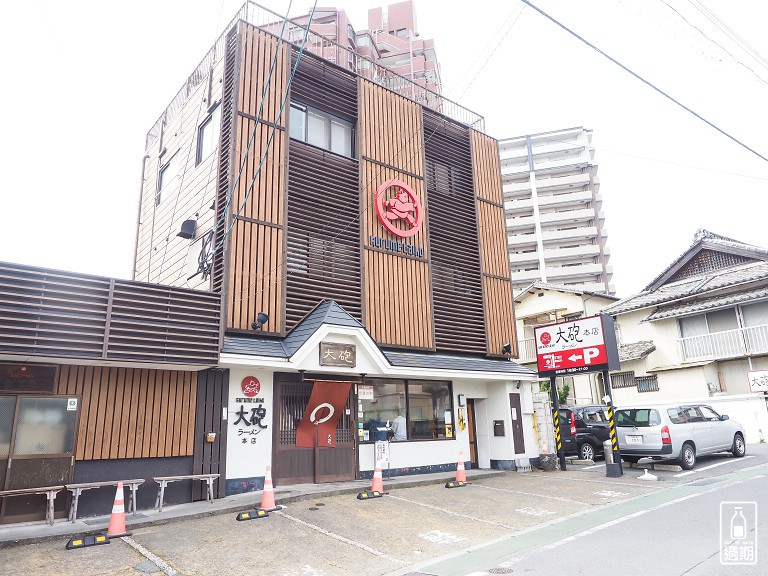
point(116, 527)
point(461, 475)
point(268, 494)
point(377, 484)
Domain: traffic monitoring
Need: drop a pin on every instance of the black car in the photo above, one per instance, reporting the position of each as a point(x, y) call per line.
point(583, 429)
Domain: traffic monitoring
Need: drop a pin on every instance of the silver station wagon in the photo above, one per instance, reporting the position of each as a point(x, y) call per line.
point(677, 431)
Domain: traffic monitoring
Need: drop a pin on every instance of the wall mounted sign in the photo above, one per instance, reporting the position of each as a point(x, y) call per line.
point(582, 345)
point(758, 380)
point(336, 354)
point(30, 378)
point(250, 386)
point(398, 208)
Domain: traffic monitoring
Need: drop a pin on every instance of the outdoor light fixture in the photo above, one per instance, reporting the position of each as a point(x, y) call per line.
point(506, 349)
point(261, 319)
point(188, 228)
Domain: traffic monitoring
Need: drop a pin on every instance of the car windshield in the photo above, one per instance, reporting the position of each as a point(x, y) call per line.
point(638, 417)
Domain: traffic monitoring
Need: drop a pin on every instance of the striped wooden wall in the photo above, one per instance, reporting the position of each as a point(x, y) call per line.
point(132, 412)
point(497, 287)
point(398, 298)
point(256, 260)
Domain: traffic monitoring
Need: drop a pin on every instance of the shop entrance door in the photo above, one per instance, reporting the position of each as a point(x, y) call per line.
point(472, 433)
point(296, 464)
point(37, 449)
point(517, 423)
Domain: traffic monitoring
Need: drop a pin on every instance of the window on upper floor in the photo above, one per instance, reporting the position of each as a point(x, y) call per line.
point(167, 180)
point(401, 33)
point(208, 134)
point(709, 323)
point(321, 129)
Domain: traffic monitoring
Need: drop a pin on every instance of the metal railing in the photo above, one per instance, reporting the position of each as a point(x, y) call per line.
point(727, 344)
point(271, 22)
point(526, 350)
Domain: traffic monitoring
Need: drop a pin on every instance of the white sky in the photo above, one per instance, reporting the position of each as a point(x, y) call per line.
point(84, 81)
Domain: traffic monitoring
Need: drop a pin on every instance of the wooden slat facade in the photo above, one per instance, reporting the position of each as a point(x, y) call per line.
point(255, 256)
point(497, 287)
point(132, 412)
point(398, 309)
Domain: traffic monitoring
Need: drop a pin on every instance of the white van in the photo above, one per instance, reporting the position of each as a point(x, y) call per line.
point(677, 431)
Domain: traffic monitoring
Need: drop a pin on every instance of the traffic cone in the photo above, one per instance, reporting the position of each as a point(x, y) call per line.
point(116, 527)
point(268, 495)
point(377, 485)
point(461, 475)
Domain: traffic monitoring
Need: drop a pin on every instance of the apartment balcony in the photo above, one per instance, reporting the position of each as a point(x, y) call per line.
point(586, 272)
point(519, 259)
point(521, 207)
point(563, 182)
point(555, 254)
point(574, 216)
point(571, 199)
point(526, 351)
point(727, 344)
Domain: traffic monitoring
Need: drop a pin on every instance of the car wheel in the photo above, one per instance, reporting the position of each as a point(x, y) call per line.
point(739, 448)
point(688, 456)
point(587, 452)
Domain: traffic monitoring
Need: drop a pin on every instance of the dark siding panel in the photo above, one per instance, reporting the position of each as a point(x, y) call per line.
point(324, 86)
point(456, 275)
point(323, 239)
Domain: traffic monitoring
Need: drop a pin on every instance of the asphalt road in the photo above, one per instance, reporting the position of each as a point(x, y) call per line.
point(515, 521)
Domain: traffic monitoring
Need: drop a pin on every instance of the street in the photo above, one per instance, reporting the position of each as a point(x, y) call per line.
point(509, 523)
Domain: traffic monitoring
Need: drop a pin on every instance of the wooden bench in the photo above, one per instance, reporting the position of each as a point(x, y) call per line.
point(78, 489)
point(163, 481)
point(49, 491)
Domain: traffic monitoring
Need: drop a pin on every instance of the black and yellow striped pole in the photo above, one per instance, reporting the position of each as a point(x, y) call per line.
point(556, 418)
point(617, 468)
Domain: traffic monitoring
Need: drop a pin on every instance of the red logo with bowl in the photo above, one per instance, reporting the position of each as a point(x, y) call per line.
point(545, 338)
point(398, 208)
point(251, 386)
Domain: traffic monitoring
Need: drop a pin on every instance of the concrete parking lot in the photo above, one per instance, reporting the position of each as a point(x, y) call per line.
point(340, 535)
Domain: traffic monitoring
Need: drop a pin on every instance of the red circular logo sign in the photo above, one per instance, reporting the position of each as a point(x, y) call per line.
point(545, 338)
point(400, 206)
point(251, 386)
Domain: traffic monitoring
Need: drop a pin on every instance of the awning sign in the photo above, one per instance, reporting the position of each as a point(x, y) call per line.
point(326, 405)
point(758, 380)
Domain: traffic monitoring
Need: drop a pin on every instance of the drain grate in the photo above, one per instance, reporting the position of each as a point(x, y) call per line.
point(500, 571)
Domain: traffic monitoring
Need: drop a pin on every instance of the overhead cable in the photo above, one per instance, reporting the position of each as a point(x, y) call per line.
point(659, 90)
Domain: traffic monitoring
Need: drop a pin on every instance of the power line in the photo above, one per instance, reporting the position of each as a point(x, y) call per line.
point(713, 41)
point(743, 44)
point(643, 80)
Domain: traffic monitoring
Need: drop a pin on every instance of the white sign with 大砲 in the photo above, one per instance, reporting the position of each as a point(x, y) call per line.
point(758, 380)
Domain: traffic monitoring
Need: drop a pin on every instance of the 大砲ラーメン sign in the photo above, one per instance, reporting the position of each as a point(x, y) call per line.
point(582, 345)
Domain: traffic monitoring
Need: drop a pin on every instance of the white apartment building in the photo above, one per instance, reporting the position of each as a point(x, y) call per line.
point(555, 225)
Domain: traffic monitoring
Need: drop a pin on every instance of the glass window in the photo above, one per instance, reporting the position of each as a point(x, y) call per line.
point(45, 426)
point(7, 410)
point(676, 415)
point(341, 137)
point(317, 129)
point(167, 180)
point(722, 320)
point(693, 326)
point(401, 33)
point(413, 410)
point(709, 414)
point(208, 134)
point(755, 314)
point(639, 417)
point(388, 404)
point(322, 130)
point(298, 122)
point(429, 410)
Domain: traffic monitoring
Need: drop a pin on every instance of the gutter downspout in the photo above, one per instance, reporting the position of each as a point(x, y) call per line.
point(138, 216)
